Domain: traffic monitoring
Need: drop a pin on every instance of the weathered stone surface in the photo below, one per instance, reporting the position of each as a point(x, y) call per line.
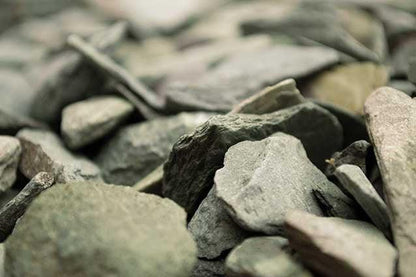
point(391, 123)
point(10, 151)
point(44, 151)
point(209, 268)
point(356, 154)
point(86, 121)
point(190, 169)
point(213, 230)
point(152, 183)
point(348, 86)
point(356, 183)
point(280, 96)
point(263, 257)
point(242, 74)
point(263, 180)
point(138, 149)
point(340, 247)
point(78, 230)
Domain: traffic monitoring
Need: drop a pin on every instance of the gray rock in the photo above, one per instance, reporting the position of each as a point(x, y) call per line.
point(152, 183)
point(402, 55)
point(78, 230)
point(411, 75)
point(263, 257)
point(10, 151)
point(44, 151)
point(213, 230)
point(340, 247)
point(239, 76)
point(263, 180)
point(190, 169)
point(396, 22)
point(356, 183)
point(86, 121)
point(138, 149)
point(209, 268)
point(406, 86)
point(391, 123)
point(280, 96)
point(356, 154)
point(2, 255)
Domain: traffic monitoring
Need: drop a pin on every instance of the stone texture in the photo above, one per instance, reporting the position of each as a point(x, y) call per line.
point(86, 121)
point(2, 255)
point(152, 183)
point(391, 123)
point(138, 149)
point(10, 151)
point(356, 154)
point(209, 268)
point(44, 151)
point(356, 183)
point(263, 257)
point(340, 247)
point(189, 171)
point(348, 86)
point(213, 230)
point(78, 232)
point(239, 76)
point(263, 180)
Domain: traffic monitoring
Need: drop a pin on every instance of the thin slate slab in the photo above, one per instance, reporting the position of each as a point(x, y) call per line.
point(10, 151)
point(263, 257)
point(138, 149)
point(242, 74)
point(86, 121)
point(263, 180)
point(78, 222)
point(213, 230)
point(340, 247)
point(391, 123)
point(44, 151)
point(356, 183)
point(190, 169)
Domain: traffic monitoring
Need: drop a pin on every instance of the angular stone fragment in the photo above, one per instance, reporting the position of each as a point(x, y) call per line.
point(263, 180)
point(138, 149)
point(100, 230)
point(44, 151)
point(263, 257)
point(190, 169)
point(282, 95)
point(10, 151)
point(340, 247)
point(239, 76)
point(209, 268)
point(356, 183)
point(356, 154)
point(391, 123)
point(86, 121)
point(213, 230)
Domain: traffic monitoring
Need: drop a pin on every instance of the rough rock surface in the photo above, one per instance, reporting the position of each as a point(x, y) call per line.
point(43, 151)
point(138, 149)
point(209, 268)
point(263, 180)
point(86, 121)
point(78, 230)
point(263, 257)
point(189, 171)
point(356, 183)
point(10, 151)
point(243, 74)
point(391, 123)
point(213, 230)
point(340, 247)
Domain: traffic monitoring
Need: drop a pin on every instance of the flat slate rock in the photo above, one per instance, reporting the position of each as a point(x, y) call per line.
point(209, 268)
point(263, 180)
point(10, 151)
point(354, 181)
point(190, 169)
point(138, 149)
point(86, 121)
point(340, 247)
point(241, 75)
point(78, 222)
point(44, 151)
point(263, 257)
point(213, 230)
point(391, 123)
